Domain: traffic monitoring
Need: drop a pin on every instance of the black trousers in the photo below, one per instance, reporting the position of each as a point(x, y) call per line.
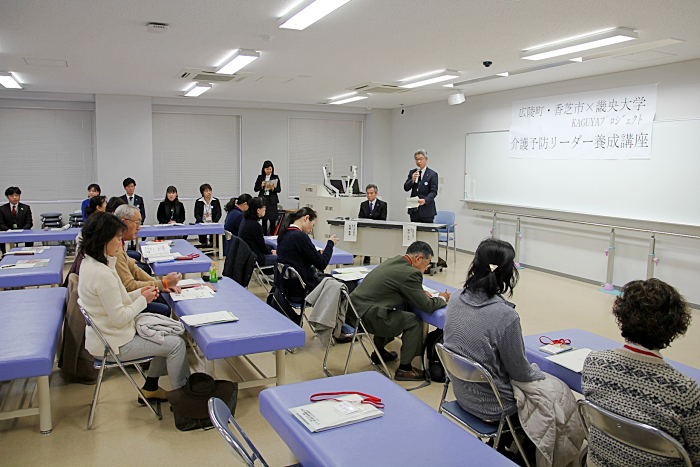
point(415, 217)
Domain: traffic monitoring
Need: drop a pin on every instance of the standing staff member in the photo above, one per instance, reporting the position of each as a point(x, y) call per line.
point(264, 190)
point(423, 183)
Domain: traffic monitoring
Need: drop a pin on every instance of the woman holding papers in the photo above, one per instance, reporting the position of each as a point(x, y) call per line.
point(483, 326)
point(267, 185)
point(634, 380)
point(251, 232)
point(171, 210)
point(113, 310)
point(295, 248)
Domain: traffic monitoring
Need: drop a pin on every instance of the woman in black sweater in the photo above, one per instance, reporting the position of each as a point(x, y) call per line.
point(271, 200)
point(295, 248)
point(251, 232)
point(171, 210)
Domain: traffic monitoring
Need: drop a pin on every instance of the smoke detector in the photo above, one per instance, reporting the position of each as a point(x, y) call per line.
point(158, 28)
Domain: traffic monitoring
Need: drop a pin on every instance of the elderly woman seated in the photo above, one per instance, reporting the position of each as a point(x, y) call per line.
point(113, 310)
point(634, 381)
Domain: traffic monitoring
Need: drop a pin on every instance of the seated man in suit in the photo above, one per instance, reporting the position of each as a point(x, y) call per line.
point(388, 287)
point(373, 208)
point(15, 215)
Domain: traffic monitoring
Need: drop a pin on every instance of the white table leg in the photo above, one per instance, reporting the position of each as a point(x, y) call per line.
point(45, 425)
point(280, 368)
point(221, 246)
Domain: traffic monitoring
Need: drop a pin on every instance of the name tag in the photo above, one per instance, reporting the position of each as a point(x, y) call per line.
point(426, 183)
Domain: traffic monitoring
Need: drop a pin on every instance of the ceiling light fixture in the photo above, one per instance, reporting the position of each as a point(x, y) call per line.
point(311, 12)
point(8, 81)
point(578, 44)
point(240, 58)
point(429, 78)
point(627, 50)
point(198, 89)
point(505, 74)
point(345, 98)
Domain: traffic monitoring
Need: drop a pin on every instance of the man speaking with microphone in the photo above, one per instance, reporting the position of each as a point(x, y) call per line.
point(422, 183)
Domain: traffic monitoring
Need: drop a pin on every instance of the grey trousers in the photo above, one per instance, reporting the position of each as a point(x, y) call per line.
point(398, 323)
point(169, 358)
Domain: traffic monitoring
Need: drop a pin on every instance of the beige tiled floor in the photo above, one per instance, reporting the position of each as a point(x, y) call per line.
point(127, 434)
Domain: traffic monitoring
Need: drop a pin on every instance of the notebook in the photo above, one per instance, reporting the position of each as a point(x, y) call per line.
point(329, 414)
point(208, 318)
point(572, 360)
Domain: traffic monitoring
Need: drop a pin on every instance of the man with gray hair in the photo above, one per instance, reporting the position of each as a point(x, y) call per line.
point(131, 275)
point(422, 182)
point(373, 208)
point(380, 296)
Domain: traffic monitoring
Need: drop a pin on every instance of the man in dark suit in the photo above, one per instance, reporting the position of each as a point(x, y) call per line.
point(15, 215)
point(131, 199)
point(380, 296)
point(422, 182)
point(373, 208)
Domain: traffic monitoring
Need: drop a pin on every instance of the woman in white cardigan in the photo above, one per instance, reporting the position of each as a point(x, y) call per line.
point(113, 310)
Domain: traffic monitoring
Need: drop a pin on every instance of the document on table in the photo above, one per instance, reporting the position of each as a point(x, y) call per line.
point(350, 276)
point(573, 359)
point(350, 231)
point(208, 318)
point(163, 258)
point(168, 225)
point(433, 293)
point(334, 413)
point(28, 264)
point(155, 249)
point(351, 269)
point(193, 294)
point(158, 242)
point(412, 202)
point(410, 232)
point(187, 283)
point(36, 249)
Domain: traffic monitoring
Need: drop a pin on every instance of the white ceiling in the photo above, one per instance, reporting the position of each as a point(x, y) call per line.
point(108, 50)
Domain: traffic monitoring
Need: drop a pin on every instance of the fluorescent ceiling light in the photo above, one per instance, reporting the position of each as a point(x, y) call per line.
point(311, 13)
point(198, 89)
point(628, 50)
point(344, 99)
point(429, 78)
point(8, 81)
point(240, 58)
point(504, 74)
point(578, 44)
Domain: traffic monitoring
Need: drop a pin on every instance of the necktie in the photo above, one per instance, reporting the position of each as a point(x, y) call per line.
point(420, 175)
point(371, 207)
point(14, 211)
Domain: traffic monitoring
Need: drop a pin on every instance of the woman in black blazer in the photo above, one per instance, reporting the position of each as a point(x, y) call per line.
point(207, 209)
point(251, 232)
point(171, 210)
point(270, 196)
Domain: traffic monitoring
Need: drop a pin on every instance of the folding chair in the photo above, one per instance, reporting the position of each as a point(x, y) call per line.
point(292, 287)
point(447, 234)
point(101, 364)
point(467, 370)
point(220, 416)
point(359, 332)
point(634, 434)
point(262, 277)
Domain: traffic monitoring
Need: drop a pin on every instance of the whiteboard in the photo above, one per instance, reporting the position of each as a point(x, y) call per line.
point(665, 188)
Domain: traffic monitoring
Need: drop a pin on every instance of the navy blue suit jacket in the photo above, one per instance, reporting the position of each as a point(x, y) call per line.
point(427, 190)
point(138, 202)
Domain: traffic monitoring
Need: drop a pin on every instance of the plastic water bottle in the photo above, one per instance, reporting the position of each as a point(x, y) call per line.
point(212, 273)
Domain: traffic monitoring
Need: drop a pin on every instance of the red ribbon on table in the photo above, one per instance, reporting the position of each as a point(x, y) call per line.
point(366, 398)
point(544, 339)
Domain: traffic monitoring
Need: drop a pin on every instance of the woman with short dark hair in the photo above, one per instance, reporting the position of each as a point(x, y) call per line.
point(235, 209)
point(97, 204)
point(207, 209)
point(634, 380)
point(251, 232)
point(265, 189)
point(113, 309)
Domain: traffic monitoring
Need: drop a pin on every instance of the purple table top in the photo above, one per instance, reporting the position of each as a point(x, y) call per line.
point(200, 264)
point(437, 317)
point(28, 351)
point(339, 256)
point(38, 235)
point(182, 230)
point(384, 441)
point(49, 275)
point(259, 328)
point(581, 339)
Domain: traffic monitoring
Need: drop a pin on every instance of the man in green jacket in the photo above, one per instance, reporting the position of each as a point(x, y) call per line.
point(388, 287)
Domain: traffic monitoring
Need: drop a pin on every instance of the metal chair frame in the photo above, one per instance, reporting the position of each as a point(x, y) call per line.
point(464, 369)
point(630, 432)
point(102, 364)
point(449, 230)
point(359, 332)
point(220, 416)
point(292, 273)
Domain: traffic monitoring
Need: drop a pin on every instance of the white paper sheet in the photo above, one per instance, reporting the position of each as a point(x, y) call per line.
point(573, 359)
point(409, 234)
point(412, 202)
point(350, 231)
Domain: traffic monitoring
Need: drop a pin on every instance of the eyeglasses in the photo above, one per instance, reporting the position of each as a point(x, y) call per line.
point(420, 158)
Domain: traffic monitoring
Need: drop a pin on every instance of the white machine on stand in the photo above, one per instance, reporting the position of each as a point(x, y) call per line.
point(328, 201)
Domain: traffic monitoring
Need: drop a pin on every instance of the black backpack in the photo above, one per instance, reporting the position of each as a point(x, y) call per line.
point(433, 365)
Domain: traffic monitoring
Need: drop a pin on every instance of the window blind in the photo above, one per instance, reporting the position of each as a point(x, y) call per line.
point(47, 153)
point(313, 141)
point(189, 150)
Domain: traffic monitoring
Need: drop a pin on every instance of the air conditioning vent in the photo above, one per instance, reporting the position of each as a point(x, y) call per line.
point(205, 76)
point(384, 88)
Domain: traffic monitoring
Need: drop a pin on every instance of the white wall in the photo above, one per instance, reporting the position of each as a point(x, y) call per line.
point(573, 250)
